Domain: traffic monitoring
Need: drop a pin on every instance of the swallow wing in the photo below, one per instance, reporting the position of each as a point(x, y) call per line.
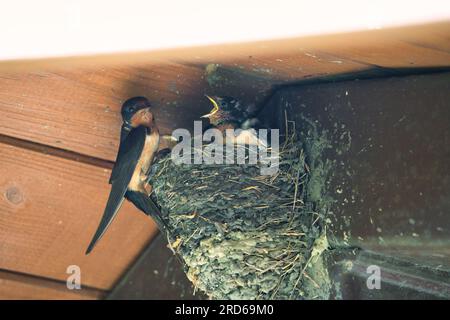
point(124, 131)
point(147, 206)
point(130, 150)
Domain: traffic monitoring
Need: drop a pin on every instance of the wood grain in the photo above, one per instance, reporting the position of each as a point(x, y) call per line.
point(51, 199)
point(79, 110)
point(73, 103)
point(49, 210)
point(24, 287)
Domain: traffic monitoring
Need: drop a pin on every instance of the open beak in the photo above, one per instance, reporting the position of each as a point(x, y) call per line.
point(214, 109)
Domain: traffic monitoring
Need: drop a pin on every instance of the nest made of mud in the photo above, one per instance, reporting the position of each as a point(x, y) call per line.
point(243, 235)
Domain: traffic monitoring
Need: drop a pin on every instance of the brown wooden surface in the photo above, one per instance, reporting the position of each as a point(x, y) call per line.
point(390, 46)
point(80, 110)
point(156, 279)
point(60, 122)
point(49, 210)
point(73, 104)
point(18, 286)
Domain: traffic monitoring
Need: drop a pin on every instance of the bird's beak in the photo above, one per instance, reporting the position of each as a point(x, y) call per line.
point(214, 109)
point(147, 114)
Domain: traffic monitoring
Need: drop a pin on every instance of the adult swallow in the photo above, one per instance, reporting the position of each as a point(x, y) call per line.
point(139, 141)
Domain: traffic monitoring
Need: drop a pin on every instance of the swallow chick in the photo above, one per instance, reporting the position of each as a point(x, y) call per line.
point(139, 142)
point(230, 113)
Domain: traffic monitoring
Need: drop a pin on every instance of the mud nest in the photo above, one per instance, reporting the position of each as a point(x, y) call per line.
point(243, 235)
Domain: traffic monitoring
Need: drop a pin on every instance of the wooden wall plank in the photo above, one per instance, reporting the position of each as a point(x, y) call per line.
point(433, 36)
point(392, 52)
point(50, 205)
point(285, 65)
point(16, 286)
point(79, 110)
point(74, 103)
point(165, 281)
point(49, 210)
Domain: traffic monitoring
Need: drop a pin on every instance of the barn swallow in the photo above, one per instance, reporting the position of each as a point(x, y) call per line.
point(230, 113)
point(139, 141)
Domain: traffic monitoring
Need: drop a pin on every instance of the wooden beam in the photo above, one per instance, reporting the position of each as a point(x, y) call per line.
point(49, 210)
point(156, 279)
point(21, 286)
point(73, 103)
point(390, 45)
